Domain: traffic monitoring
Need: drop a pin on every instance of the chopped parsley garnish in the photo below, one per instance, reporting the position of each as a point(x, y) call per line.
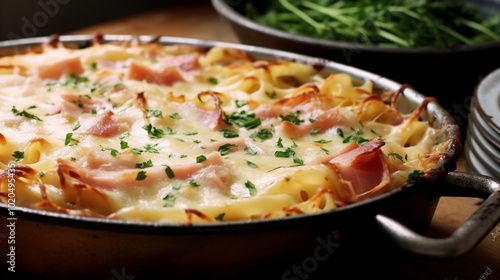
point(113, 152)
point(190, 133)
point(251, 164)
point(340, 132)
point(240, 103)
point(396, 155)
point(153, 132)
point(200, 158)
point(24, 113)
point(145, 164)
point(251, 188)
point(359, 131)
point(93, 66)
point(141, 175)
point(280, 143)
point(358, 139)
point(262, 135)
point(169, 197)
point(220, 216)
point(244, 119)
point(136, 151)
point(292, 118)
point(323, 141)
point(76, 126)
point(271, 95)
point(229, 133)
point(69, 140)
point(151, 148)
point(415, 176)
point(155, 113)
point(298, 161)
point(314, 132)
point(175, 116)
point(123, 144)
point(193, 183)
point(18, 155)
point(169, 172)
point(212, 80)
point(226, 148)
point(250, 151)
point(41, 174)
point(79, 103)
point(289, 152)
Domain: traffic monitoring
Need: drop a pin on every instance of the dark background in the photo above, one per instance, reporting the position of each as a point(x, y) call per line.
point(33, 18)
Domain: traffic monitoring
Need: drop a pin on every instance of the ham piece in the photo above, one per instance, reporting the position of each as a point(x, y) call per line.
point(361, 170)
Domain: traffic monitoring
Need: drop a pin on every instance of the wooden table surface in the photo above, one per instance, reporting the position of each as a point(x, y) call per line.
point(199, 20)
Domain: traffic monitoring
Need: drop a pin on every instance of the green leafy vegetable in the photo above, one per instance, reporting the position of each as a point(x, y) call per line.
point(402, 23)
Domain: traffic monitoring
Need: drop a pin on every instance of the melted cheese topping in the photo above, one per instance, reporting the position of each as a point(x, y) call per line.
point(180, 134)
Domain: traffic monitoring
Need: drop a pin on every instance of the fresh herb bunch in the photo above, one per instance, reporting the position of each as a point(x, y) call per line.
point(396, 23)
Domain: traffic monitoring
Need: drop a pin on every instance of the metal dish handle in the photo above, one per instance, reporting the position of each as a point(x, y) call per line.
point(465, 237)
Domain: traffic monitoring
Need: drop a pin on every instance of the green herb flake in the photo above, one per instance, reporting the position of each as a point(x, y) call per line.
point(193, 183)
point(25, 114)
point(279, 144)
point(340, 132)
point(169, 197)
point(396, 155)
point(146, 164)
point(292, 118)
point(141, 175)
point(76, 125)
point(200, 158)
point(69, 140)
point(298, 161)
point(190, 133)
point(262, 135)
point(226, 149)
point(212, 80)
point(123, 144)
point(93, 66)
point(240, 103)
point(136, 151)
point(154, 113)
point(244, 119)
point(358, 139)
point(289, 152)
point(151, 148)
point(153, 132)
point(79, 103)
point(229, 133)
point(415, 176)
point(251, 188)
point(220, 217)
point(18, 155)
point(314, 132)
point(250, 151)
point(175, 116)
point(251, 164)
point(169, 172)
point(271, 95)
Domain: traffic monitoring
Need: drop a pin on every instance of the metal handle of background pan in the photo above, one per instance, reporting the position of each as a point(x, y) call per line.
point(467, 235)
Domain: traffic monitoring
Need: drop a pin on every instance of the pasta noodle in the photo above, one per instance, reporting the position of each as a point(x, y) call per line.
point(181, 134)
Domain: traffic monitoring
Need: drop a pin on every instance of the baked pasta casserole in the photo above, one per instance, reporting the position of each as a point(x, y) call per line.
point(177, 133)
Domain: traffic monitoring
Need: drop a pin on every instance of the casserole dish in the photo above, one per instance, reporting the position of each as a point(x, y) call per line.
point(54, 245)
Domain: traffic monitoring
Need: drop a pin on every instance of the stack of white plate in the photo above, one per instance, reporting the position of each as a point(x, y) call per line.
point(482, 145)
